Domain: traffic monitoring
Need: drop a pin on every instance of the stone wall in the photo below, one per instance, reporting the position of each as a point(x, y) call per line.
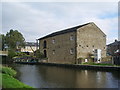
point(70, 46)
point(58, 48)
point(90, 37)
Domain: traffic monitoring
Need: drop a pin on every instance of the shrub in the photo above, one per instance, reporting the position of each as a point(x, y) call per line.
point(8, 70)
point(11, 54)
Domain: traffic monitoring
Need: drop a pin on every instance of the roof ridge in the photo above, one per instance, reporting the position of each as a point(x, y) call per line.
point(72, 29)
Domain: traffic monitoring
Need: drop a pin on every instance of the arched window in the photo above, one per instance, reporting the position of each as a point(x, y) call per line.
point(45, 53)
point(45, 44)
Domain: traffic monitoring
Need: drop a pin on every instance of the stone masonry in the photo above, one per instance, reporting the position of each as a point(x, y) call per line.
point(67, 46)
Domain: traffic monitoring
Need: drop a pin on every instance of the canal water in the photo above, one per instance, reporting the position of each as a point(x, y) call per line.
point(41, 76)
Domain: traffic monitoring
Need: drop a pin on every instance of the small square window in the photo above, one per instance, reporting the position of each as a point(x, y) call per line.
point(53, 41)
point(53, 51)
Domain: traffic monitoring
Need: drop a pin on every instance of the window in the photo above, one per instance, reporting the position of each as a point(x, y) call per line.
point(71, 51)
point(45, 44)
point(71, 37)
point(53, 41)
point(45, 53)
point(104, 48)
point(86, 45)
point(53, 51)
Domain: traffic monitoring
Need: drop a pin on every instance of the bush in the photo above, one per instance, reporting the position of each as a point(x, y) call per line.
point(107, 58)
point(8, 81)
point(39, 54)
point(8, 70)
point(11, 53)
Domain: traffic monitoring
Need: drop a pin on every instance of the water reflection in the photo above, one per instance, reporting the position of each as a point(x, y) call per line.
point(40, 76)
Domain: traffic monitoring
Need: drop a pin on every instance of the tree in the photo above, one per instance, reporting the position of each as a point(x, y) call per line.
point(14, 39)
point(38, 54)
point(2, 42)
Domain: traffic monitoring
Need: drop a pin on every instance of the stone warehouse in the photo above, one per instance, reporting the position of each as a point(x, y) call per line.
point(74, 45)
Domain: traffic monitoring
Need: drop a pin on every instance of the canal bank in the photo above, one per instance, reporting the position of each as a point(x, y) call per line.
point(7, 76)
point(79, 66)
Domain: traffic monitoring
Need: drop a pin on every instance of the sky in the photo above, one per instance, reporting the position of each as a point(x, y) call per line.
point(37, 19)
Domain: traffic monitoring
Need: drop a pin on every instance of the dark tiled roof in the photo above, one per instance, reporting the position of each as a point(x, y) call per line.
point(30, 44)
point(114, 43)
point(63, 31)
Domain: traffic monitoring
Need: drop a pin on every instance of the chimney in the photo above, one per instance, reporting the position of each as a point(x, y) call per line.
point(115, 40)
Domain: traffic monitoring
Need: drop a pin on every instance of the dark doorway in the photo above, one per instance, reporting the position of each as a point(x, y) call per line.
point(45, 53)
point(45, 44)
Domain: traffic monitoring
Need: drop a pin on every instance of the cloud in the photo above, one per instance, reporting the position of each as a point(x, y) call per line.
point(35, 20)
point(59, 0)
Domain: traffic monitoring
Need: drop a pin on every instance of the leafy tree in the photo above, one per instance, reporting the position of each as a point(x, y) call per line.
point(11, 54)
point(14, 39)
point(2, 41)
point(38, 54)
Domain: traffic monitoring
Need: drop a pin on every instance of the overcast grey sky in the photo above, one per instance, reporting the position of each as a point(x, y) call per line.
point(37, 19)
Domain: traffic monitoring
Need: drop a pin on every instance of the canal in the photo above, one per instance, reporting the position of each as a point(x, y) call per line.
point(41, 76)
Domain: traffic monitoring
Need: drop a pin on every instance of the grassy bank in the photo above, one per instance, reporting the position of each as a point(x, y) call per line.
point(102, 64)
point(8, 80)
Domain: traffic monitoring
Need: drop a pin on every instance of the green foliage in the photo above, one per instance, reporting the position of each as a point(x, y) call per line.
point(107, 58)
point(90, 56)
point(21, 54)
point(38, 54)
point(14, 38)
point(11, 54)
point(92, 63)
point(79, 60)
point(2, 41)
point(10, 82)
point(9, 71)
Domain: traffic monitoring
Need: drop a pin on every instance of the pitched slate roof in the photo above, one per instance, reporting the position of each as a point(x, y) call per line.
point(114, 43)
point(30, 44)
point(73, 29)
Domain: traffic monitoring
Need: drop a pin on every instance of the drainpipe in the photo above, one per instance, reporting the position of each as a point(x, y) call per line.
point(36, 44)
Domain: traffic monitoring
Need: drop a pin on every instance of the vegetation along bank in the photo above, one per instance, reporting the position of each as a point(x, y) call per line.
point(8, 79)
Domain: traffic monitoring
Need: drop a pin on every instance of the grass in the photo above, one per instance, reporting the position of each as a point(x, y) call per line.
point(8, 81)
point(102, 64)
point(9, 71)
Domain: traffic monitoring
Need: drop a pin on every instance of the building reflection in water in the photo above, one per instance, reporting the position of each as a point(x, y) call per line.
point(59, 77)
